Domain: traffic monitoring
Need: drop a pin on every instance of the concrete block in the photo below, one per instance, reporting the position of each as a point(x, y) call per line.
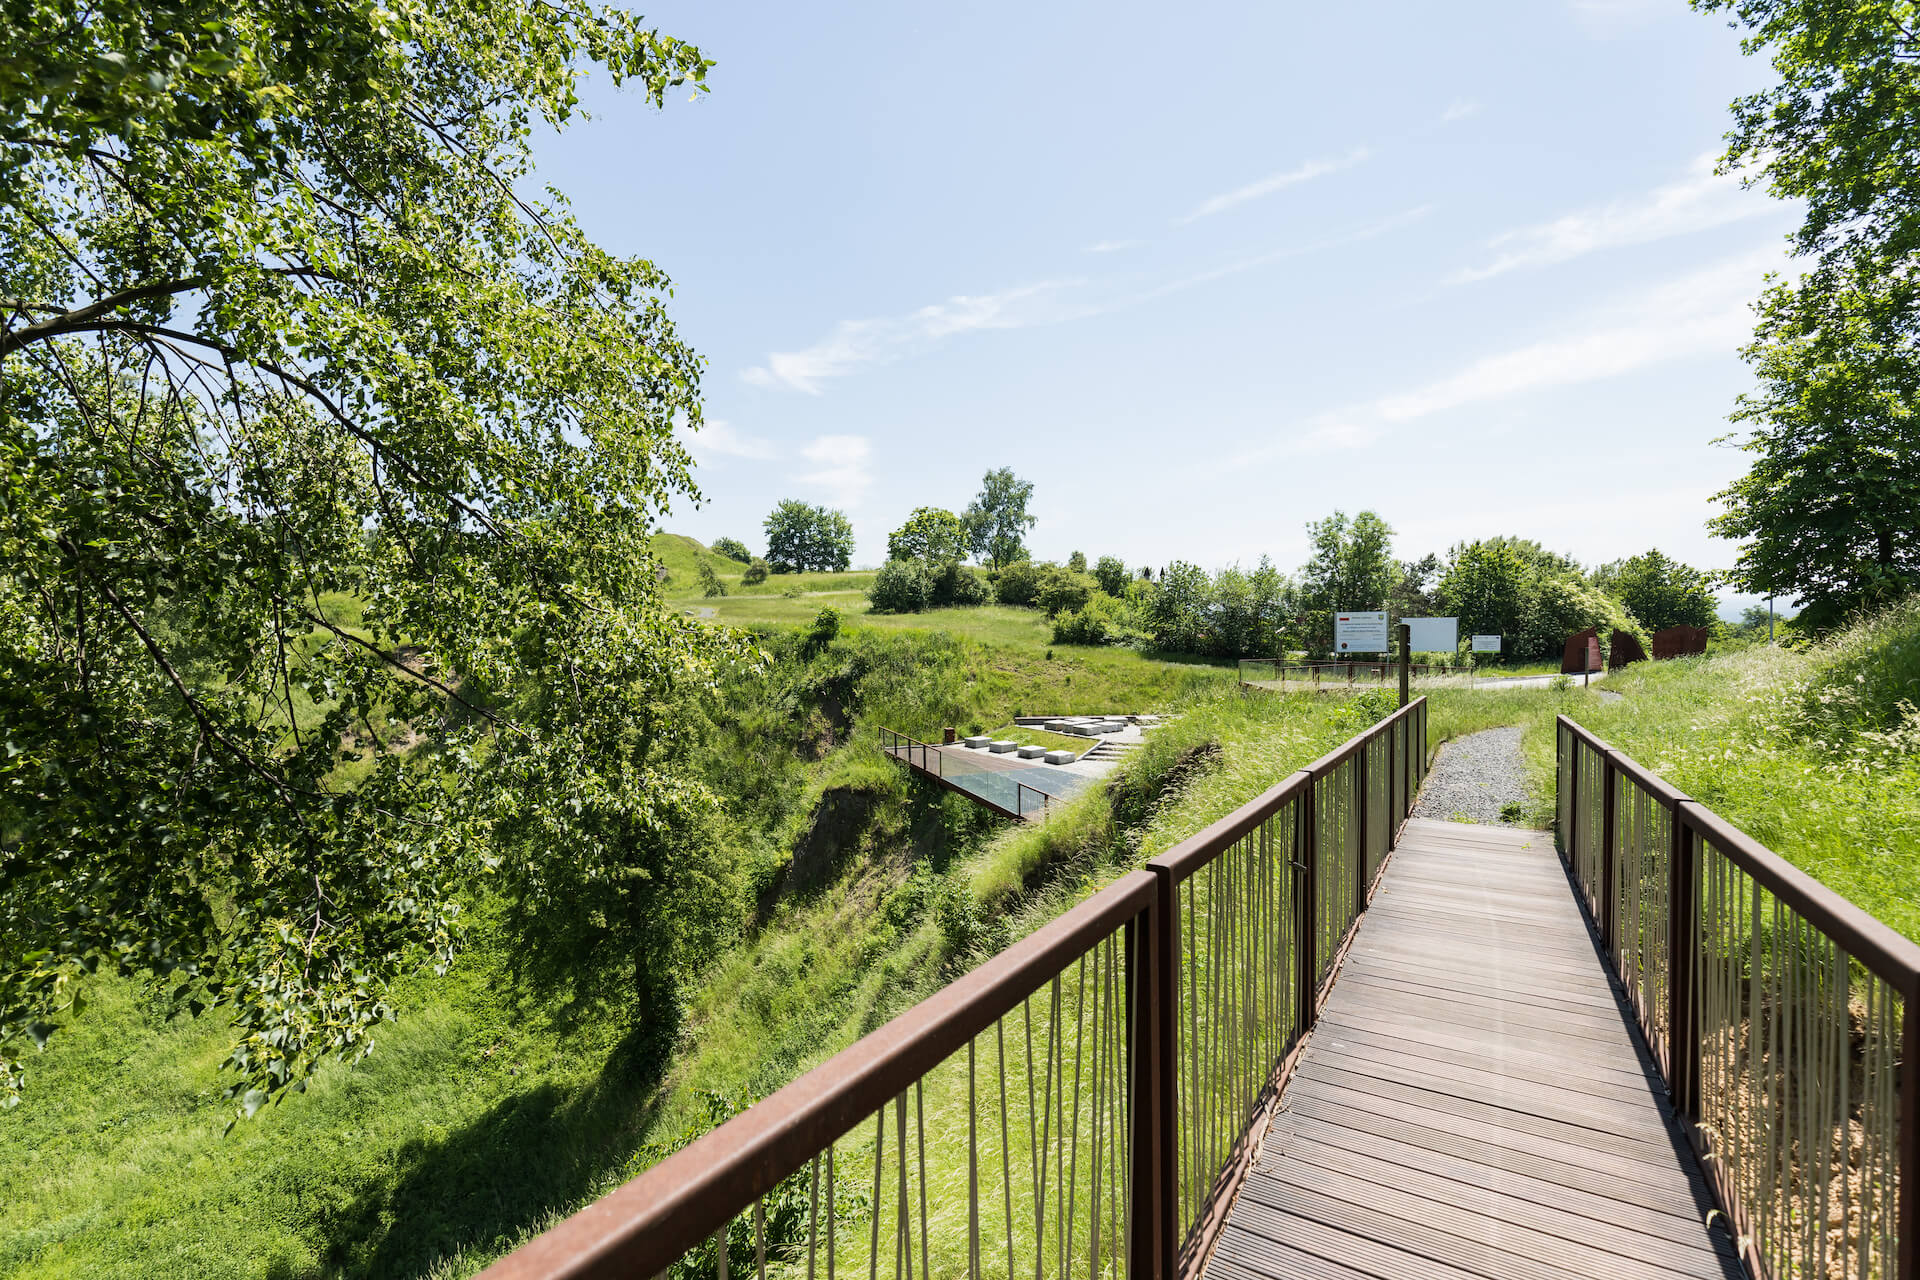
point(1032, 751)
point(977, 742)
point(1059, 757)
point(1001, 746)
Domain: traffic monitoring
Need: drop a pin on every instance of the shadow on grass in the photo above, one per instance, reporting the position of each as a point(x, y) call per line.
point(479, 1187)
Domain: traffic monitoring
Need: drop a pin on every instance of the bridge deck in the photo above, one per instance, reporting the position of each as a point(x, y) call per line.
point(1472, 1102)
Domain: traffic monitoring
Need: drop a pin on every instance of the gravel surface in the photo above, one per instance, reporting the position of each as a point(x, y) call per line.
point(1474, 778)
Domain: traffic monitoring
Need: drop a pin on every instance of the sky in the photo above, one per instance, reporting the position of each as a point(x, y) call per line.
point(1202, 273)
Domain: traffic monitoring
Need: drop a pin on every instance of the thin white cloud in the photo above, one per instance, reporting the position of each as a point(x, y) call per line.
point(841, 471)
point(854, 344)
point(1706, 312)
point(1273, 182)
point(1367, 231)
point(1112, 246)
point(717, 439)
point(1700, 201)
point(1459, 109)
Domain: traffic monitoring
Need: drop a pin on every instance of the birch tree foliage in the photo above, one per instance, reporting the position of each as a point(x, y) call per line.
point(328, 459)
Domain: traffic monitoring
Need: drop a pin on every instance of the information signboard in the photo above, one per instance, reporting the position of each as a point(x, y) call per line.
point(1358, 632)
point(1486, 644)
point(1432, 635)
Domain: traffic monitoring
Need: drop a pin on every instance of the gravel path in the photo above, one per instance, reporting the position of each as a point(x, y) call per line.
point(1474, 778)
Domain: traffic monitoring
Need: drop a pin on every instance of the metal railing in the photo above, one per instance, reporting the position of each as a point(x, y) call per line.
point(1777, 1011)
point(1321, 674)
point(1081, 1105)
point(1026, 801)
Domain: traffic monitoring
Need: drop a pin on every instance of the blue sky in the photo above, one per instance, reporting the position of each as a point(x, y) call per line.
point(1203, 273)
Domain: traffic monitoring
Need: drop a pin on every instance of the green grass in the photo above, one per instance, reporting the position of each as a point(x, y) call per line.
point(1028, 736)
point(1733, 732)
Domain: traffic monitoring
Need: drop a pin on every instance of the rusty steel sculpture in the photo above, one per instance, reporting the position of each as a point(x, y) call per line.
point(1582, 653)
point(1624, 649)
point(1679, 642)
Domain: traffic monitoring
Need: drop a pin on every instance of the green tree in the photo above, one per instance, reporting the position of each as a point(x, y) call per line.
point(1830, 511)
point(756, 573)
point(1077, 562)
point(1111, 573)
point(1351, 567)
point(1658, 591)
point(933, 536)
point(802, 538)
point(1489, 586)
point(997, 520)
point(732, 549)
point(329, 457)
point(1177, 612)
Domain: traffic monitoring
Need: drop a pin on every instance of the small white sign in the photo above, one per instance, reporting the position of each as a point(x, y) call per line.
point(1432, 635)
point(1360, 632)
point(1486, 644)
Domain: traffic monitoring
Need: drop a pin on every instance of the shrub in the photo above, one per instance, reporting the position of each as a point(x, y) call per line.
point(710, 584)
point(901, 586)
point(1111, 573)
point(1062, 591)
point(826, 625)
point(732, 549)
point(1077, 562)
point(1019, 583)
point(957, 584)
point(756, 573)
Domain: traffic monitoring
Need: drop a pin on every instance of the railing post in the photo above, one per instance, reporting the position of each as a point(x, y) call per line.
point(1609, 793)
point(1909, 1206)
point(1396, 811)
point(1683, 1037)
point(1572, 838)
point(1306, 907)
point(1152, 982)
point(1406, 635)
point(1363, 801)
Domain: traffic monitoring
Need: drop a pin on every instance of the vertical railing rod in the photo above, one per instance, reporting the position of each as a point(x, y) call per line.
point(1683, 1038)
point(1609, 794)
point(1908, 1208)
point(1306, 894)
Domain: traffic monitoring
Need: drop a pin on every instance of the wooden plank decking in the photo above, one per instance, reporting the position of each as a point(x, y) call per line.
point(1472, 1103)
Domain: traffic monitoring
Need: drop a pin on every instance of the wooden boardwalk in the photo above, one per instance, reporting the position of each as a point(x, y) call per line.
point(1472, 1103)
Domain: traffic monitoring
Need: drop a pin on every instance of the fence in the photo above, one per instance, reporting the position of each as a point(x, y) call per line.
point(1377, 671)
point(1079, 1106)
point(1777, 1011)
point(995, 788)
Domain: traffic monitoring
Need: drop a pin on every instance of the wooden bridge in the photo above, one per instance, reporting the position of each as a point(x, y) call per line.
point(1317, 1040)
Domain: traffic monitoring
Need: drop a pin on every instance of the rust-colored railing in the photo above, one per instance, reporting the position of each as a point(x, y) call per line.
point(1081, 1105)
point(1777, 1010)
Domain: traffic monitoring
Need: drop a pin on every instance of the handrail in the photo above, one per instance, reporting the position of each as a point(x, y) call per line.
point(1776, 1051)
point(1250, 901)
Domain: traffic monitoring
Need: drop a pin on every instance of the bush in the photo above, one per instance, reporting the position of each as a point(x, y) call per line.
point(1868, 676)
point(958, 584)
point(732, 549)
point(826, 625)
point(710, 584)
point(1019, 583)
point(1062, 591)
point(1077, 562)
point(756, 573)
point(901, 586)
point(1102, 620)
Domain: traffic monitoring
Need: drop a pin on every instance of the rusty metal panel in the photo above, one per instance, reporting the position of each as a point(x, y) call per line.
point(1582, 652)
point(1679, 642)
point(1624, 649)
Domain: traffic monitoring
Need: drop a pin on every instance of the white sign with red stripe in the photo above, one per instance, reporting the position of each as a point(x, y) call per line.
point(1355, 631)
